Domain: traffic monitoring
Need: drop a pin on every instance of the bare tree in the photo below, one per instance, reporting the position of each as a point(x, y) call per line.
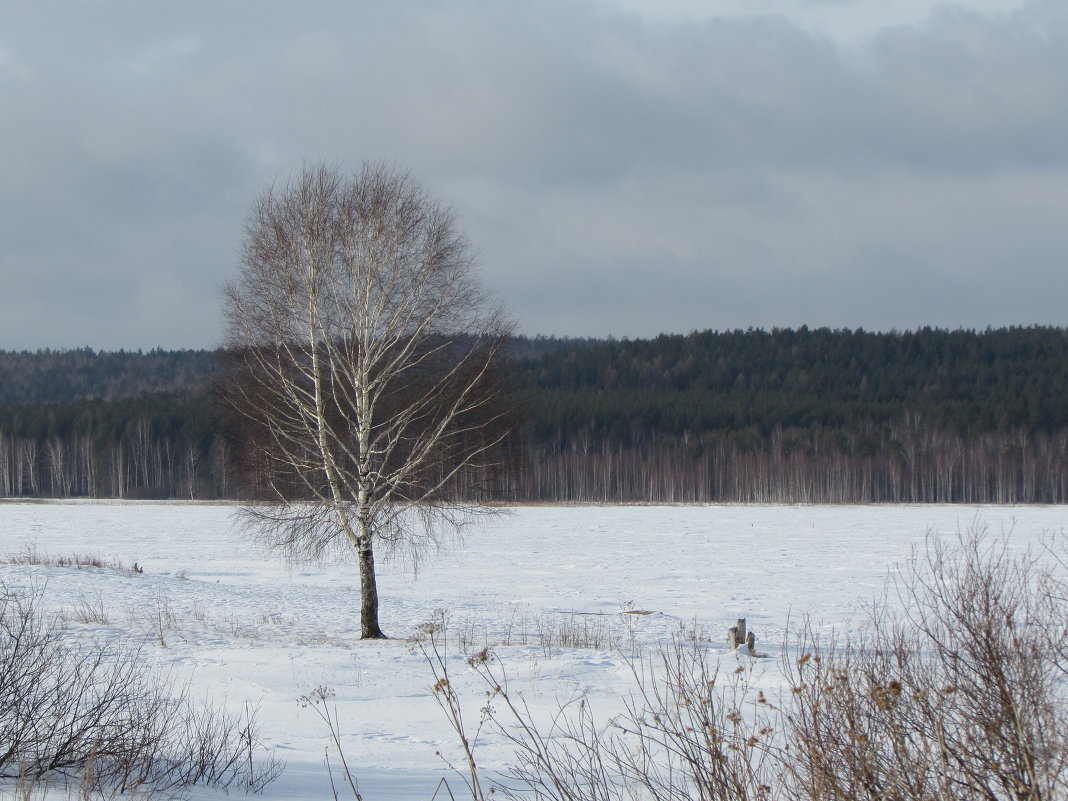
point(367, 366)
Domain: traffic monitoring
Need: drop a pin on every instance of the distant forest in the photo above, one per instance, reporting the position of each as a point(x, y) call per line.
point(805, 415)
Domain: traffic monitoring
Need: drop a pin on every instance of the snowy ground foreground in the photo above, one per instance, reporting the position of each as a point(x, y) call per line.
point(249, 627)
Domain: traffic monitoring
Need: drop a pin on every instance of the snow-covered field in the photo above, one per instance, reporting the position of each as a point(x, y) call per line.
point(248, 627)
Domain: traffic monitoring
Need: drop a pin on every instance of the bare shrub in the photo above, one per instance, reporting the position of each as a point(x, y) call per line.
point(90, 610)
point(157, 617)
point(684, 735)
point(956, 689)
point(88, 710)
point(571, 630)
point(959, 695)
point(681, 734)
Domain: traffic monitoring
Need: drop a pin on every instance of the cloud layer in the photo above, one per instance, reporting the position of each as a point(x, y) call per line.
point(621, 171)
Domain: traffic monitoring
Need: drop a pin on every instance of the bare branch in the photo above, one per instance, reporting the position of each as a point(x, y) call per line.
point(366, 366)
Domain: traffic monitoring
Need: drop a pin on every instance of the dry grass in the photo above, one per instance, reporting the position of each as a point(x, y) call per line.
point(90, 610)
point(30, 555)
point(552, 632)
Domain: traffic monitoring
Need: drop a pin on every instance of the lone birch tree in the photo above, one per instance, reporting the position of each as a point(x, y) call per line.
point(364, 367)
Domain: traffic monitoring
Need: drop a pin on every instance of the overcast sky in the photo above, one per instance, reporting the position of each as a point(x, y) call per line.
point(623, 167)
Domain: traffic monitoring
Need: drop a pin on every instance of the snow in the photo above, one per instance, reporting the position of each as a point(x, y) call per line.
point(247, 627)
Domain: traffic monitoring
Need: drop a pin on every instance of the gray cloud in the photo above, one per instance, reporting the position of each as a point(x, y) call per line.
point(619, 172)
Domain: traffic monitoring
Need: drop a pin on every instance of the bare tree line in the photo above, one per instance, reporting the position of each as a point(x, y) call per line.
point(140, 465)
point(926, 465)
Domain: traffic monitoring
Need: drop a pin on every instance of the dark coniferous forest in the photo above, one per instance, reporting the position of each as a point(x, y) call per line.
point(758, 416)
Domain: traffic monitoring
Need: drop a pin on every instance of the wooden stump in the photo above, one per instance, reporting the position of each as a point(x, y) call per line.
point(738, 636)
